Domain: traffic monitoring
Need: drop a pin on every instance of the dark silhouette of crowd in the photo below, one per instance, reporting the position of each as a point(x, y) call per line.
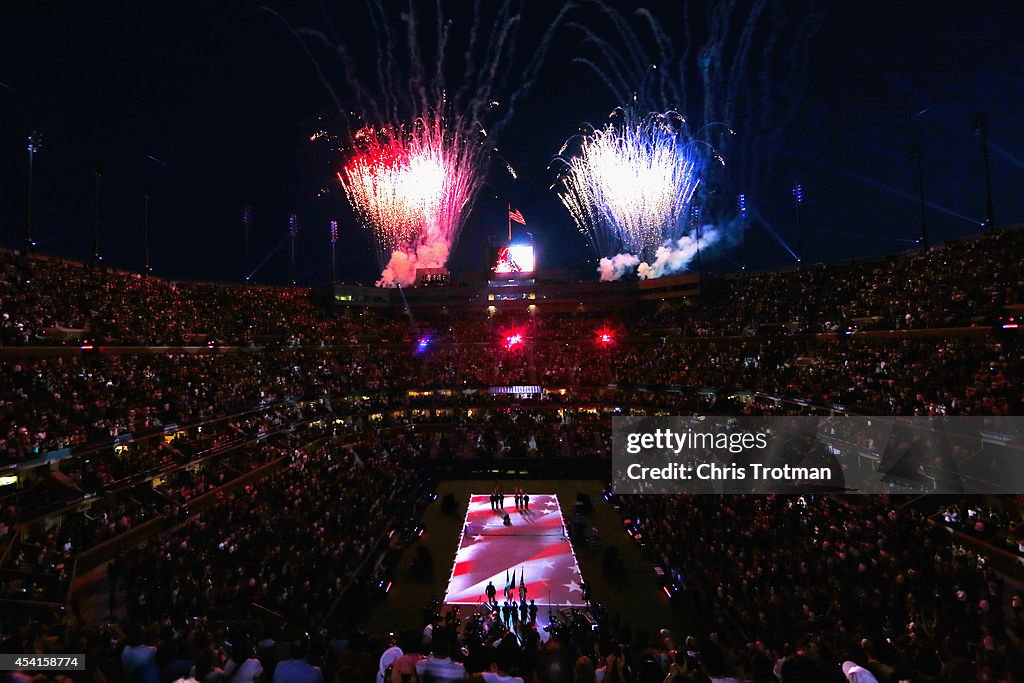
point(871, 581)
point(956, 284)
point(246, 577)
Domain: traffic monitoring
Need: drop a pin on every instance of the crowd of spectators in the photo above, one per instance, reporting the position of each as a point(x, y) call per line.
point(52, 403)
point(40, 559)
point(956, 284)
point(964, 375)
point(949, 285)
point(867, 582)
point(1002, 526)
point(289, 543)
point(810, 581)
point(542, 434)
point(48, 403)
point(51, 298)
point(68, 401)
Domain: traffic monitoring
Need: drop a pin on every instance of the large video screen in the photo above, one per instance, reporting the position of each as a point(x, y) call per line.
point(517, 258)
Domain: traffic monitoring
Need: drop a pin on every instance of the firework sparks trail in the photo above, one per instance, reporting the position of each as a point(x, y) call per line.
point(418, 147)
point(740, 73)
point(409, 186)
point(630, 185)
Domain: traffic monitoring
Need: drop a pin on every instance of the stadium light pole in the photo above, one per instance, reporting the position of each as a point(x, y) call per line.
point(741, 205)
point(293, 231)
point(35, 143)
point(246, 226)
point(695, 224)
point(798, 199)
point(97, 176)
point(147, 193)
point(978, 123)
point(915, 152)
point(334, 250)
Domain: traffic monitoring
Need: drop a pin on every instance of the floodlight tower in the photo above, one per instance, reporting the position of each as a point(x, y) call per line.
point(978, 123)
point(334, 250)
point(915, 153)
point(741, 206)
point(695, 226)
point(35, 143)
point(798, 199)
point(97, 176)
point(293, 232)
point(246, 227)
point(147, 194)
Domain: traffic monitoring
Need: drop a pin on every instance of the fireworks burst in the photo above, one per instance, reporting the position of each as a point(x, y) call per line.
point(419, 149)
point(409, 186)
point(629, 186)
point(740, 73)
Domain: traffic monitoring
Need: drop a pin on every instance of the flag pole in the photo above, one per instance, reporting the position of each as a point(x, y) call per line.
point(510, 222)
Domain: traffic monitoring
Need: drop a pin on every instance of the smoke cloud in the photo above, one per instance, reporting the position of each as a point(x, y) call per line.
point(401, 269)
point(673, 257)
point(615, 267)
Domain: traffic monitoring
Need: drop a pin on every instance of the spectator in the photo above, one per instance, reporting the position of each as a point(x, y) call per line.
point(298, 669)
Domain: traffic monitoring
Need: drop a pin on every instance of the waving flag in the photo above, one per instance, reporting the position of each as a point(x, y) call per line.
point(517, 216)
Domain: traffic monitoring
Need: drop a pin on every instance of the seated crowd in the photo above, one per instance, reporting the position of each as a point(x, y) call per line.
point(51, 403)
point(957, 284)
point(867, 582)
point(1002, 525)
point(338, 416)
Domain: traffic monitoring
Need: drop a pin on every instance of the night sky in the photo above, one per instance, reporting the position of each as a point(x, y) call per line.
point(211, 106)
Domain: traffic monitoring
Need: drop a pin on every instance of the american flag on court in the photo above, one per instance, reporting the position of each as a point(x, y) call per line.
point(535, 546)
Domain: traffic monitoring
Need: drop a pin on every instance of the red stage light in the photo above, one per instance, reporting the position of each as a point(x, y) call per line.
point(605, 336)
point(513, 340)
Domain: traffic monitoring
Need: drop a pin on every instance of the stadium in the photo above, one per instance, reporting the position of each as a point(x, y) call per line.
point(420, 468)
